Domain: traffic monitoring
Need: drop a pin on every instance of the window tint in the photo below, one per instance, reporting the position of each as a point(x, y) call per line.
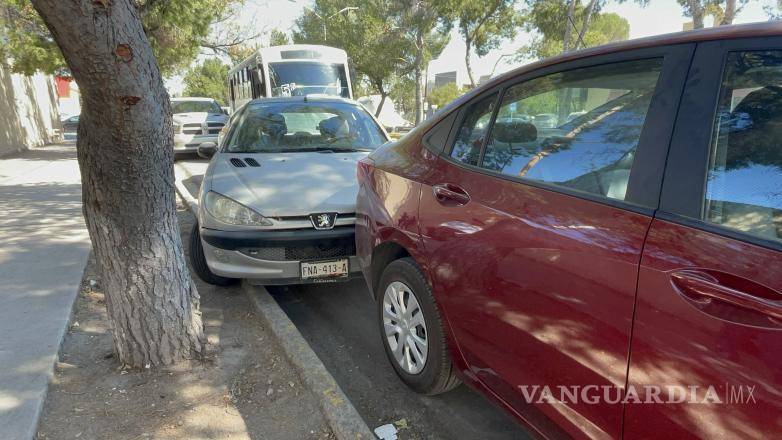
point(744, 185)
point(472, 132)
point(577, 129)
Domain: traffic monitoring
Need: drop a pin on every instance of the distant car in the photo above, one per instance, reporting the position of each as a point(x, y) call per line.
point(70, 123)
point(277, 202)
point(196, 120)
point(575, 115)
point(618, 276)
point(545, 120)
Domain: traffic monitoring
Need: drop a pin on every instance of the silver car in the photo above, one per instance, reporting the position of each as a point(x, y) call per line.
point(277, 202)
point(196, 120)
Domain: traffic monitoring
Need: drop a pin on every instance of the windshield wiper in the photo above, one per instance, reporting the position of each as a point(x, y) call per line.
point(343, 149)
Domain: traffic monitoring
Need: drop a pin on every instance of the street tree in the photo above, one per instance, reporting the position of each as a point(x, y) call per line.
point(484, 24)
point(722, 11)
point(558, 29)
point(402, 91)
point(376, 49)
point(444, 94)
point(177, 31)
point(425, 25)
point(278, 38)
point(125, 155)
point(208, 79)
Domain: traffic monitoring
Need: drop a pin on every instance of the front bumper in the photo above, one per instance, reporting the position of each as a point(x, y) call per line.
point(190, 142)
point(272, 257)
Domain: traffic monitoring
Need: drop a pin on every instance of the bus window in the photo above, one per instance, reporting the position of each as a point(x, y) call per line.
point(295, 78)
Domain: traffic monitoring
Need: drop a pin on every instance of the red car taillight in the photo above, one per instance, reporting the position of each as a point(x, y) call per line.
point(364, 170)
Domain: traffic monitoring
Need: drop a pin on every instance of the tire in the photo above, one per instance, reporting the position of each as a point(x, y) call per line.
point(435, 375)
point(198, 261)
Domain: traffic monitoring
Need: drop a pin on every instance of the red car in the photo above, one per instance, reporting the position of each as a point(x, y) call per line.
point(616, 274)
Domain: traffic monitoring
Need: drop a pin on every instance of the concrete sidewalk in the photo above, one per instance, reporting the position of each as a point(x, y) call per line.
point(43, 250)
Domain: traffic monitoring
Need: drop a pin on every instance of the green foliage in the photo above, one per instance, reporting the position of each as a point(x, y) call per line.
point(375, 48)
point(402, 91)
point(278, 38)
point(208, 80)
point(444, 94)
point(176, 29)
point(26, 39)
point(485, 24)
point(548, 18)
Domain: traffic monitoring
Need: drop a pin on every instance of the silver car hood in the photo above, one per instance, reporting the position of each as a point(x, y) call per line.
point(289, 184)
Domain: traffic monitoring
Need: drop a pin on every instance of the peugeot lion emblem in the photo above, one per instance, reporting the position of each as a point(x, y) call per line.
point(324, 220)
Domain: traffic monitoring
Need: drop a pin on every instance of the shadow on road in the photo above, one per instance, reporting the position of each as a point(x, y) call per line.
point(339, 322)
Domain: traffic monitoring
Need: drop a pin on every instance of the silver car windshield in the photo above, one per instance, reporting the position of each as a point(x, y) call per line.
point(195, 107)
point(266, 127)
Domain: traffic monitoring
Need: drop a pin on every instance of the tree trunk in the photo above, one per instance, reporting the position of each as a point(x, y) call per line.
point(569, 20)
point(697, 11)
point(585, 26)
point(125, 156)
point(419, 79)
point(379, 108)
point(730, 13)
point(468, 43)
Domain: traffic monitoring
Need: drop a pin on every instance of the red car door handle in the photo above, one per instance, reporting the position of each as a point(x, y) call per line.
point(728, 297)
point(449, 194)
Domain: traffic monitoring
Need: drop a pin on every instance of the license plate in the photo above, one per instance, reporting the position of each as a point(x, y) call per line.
point(325, 269)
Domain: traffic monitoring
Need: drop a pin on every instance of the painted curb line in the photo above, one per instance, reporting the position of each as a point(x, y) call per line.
point(340, 413)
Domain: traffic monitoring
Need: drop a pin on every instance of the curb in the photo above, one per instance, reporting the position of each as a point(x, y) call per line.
point(340, 413)
point(184, 194)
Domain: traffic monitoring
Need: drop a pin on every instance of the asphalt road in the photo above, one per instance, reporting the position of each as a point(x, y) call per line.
point(339, 322)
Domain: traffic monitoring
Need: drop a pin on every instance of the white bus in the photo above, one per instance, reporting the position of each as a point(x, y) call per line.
point(292, 70)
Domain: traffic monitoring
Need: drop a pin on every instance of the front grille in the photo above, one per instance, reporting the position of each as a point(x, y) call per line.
point(192, 129)
point(299, 253)
point(215, 127)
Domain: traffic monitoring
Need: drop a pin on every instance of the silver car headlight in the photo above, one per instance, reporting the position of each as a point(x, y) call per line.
point(232, 212)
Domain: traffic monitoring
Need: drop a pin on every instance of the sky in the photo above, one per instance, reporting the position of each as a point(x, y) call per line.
point(659, 17)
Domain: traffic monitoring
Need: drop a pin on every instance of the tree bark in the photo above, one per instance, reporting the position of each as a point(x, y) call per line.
point(125, 156)
point(697, 11)
point(383, 95)
point(468, 44)
point(730, 13)
point(418, 71)
point(569, 20)
point(585, 26)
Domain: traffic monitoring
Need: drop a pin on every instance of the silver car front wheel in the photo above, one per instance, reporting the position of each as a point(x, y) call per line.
point(405, 327)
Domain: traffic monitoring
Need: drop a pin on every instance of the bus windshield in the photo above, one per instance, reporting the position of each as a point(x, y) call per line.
point(298, 78)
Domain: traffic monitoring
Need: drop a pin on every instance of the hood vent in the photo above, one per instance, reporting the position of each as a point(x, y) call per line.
point(252, 162)
point(237, 162)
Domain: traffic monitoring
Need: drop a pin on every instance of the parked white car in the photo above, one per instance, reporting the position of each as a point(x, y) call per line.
point(277, 202)
point(196, 120)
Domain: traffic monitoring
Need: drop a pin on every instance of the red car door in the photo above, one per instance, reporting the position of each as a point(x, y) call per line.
point(706, 357)
point(533, 234)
